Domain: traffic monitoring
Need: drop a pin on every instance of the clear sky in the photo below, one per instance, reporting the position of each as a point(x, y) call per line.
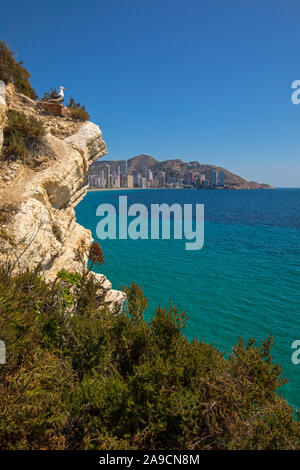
point(198, 80)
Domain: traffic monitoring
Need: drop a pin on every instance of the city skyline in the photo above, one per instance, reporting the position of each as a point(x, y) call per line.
point(107, 175)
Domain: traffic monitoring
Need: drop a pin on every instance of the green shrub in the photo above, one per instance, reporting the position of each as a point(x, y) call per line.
point(136, 302)
point(12, 71)
point(19, 133)
point(88, 379)
point(48, 95)
point(76, 111)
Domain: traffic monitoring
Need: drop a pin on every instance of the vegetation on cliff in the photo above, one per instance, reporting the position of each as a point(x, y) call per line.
point(77, 111)
point(20, 132)
point(12, 71)
point(78, 377)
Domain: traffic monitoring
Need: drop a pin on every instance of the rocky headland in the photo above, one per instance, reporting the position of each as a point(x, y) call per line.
point(38, 195)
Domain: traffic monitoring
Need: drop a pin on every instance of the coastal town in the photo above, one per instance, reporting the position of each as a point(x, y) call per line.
point(113, 176)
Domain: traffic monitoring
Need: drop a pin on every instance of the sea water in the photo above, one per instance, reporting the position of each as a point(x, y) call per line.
point(244, 282)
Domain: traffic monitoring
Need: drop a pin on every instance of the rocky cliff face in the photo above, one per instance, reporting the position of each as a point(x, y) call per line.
point(37, 198)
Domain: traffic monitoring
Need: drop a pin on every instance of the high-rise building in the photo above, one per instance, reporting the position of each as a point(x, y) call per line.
point(107, 175)
point(101, 178)
point(137, 180)
point(149, 175)
point(144, 171)
point(129, 181)
point(221, 178)
point(122, 181)
point(123, 166)
point(94, 181)
point(162, 179)
point(214, 178)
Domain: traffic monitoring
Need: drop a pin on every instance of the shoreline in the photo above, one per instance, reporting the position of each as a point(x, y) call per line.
point(203, 189)
point(122, 189)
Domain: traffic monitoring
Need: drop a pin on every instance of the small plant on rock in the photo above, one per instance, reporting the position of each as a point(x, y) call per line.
point(19, 133)
point(77, 111)
point(95, 255)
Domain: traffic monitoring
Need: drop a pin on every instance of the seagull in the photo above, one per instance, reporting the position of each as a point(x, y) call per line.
point(58, 96)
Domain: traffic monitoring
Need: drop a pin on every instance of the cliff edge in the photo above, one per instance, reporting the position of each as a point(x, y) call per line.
point(38, 195)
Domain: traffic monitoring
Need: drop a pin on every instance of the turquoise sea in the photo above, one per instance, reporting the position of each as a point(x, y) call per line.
point(245, 281)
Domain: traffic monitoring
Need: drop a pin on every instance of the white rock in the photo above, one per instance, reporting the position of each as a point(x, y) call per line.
point(2, 93)
point(115, 300)
point(88, 141)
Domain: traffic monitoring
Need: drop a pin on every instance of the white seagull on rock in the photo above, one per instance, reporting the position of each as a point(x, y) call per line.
point(58, 96)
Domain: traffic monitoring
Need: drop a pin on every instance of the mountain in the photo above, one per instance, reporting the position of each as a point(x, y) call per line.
point(139, 162)
point(178, 168)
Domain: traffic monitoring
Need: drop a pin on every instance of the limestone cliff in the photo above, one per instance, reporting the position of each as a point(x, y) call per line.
point(38, 197)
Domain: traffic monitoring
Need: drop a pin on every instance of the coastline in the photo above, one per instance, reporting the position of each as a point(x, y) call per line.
point(151, 189)
point(122, 189)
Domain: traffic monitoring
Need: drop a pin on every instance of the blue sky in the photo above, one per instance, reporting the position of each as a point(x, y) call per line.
point(197, 80)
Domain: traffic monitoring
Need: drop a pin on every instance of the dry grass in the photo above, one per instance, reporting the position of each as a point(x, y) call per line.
point(19, 133)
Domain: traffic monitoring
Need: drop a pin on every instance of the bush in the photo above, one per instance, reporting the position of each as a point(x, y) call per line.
point(48, 95)
point(76, 111)
point(19, 133)
point(79, 377)
point(12, 71)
